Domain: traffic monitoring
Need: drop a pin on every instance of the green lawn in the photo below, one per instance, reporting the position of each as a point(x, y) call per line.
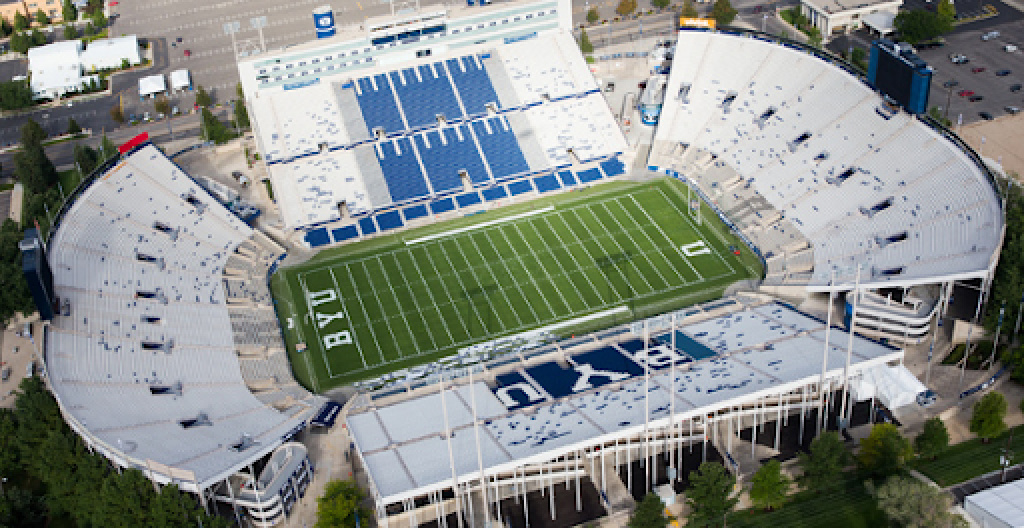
point(970, 459)
point(848, 506)
point(373, 307)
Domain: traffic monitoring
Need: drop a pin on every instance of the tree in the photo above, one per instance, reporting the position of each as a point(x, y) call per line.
point(689, 10)
point(859, 58)
point(31, 166)
point(339, 507)
point(593, 16)
point(70, 33)
point(723, 13)
point(20, 43)
point(918, 25)
point(989, 412)
point(241, 112)
point(933, 440)
point(912, 503)
point(5, 27)
point(73, 127)
point(99, 19)
point(86, 158)
point(89, 30)
point(162, 105)
point(20, 21)
point(15, 95)
point(650, 513)
point(709, 495)
point(585, 45)
point(203, 98)
point(884, 451)
point(823, 465)
point(41, 18)
point(661, 4)
point(769, 486)
point(814, 36)
point(626, 7)
point(69, 12)
point(947, 12)
point(117, 114)
point(38, 39)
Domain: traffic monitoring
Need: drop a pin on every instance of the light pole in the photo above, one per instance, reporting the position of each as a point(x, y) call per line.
point(258, 23)
point(764, 23)
point(230, 28)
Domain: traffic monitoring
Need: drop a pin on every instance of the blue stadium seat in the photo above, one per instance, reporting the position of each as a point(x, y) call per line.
point(500, 147)
point(401, 171)
point(378, 106)
point(468, 199)
point(367, 226)
point(546, 183)
point(442, 206)
point(414, 212)
point(519, 187)
point(612, 167)
point(422, 99)
point(567, 178)
point(344, 233)
point(317, 237)
point(589, 175)
point(495, 193)
point(444, 161)
point(474, 85)
point(389, 220)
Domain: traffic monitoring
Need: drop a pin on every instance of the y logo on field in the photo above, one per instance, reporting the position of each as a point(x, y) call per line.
point(695, 248)
point(324, 319)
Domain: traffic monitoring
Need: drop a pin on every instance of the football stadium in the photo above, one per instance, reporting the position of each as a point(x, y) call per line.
point(530, 320)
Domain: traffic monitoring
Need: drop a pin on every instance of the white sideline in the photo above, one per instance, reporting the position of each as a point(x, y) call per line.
point(488, 223)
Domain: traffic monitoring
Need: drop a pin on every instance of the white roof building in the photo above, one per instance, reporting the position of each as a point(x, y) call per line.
point(840, 16)
point(55, 69)
point(180, 80)
point(152, 85)
point(110, 53)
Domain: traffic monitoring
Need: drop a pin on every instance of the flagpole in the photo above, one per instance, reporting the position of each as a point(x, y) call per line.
point(849, 350)
point(451, 454)
point(824, 354)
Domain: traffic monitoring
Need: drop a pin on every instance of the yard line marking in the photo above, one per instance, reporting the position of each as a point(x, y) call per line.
point(543, 295)
point(448, 293)
point(660, 230)
point(632, 240)
point(417, 303)
point(711, 228)
point(582, 270)
point(579, 242)
point(430, 292)
point(352, 326)
point(486, 265)
point(465, 291)
point(565, 271)
point(481, 225)
point(625, 276)
point(394, 294)
point(509, 272)
point(366, 314)
point(385, 316)
point(480, 284)
point(658, 249)
point(558, 290)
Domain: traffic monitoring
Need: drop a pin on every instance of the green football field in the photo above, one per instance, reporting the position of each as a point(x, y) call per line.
point(360, 310)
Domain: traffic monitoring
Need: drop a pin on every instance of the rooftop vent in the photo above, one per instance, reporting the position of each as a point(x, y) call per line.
point(877, 208)
point(762, 120)
point(163, 390)
point(800, 140)
point(167, 230)
point(243, 443)
point(842, 177)
point(885, 241)
point(200, 419)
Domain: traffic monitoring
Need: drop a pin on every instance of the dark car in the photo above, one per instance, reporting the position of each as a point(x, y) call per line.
point(977, 69)
point(952, 83)
point(975, 98)
point(1015, 87)
point(179, 39)
point(1003, 73)
point(986, 116)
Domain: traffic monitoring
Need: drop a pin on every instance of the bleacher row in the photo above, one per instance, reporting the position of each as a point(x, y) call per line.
point(397, 218)
point(806, 137)
point(144, 338)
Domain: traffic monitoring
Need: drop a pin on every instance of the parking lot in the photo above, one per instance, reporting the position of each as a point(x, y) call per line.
point(979, 74)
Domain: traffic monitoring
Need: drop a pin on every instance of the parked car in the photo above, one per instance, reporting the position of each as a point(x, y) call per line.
point(958, 58)
point(990, 35)
point(986, 116)
point(977, 69)
point(926, 398)
point(1003, 73)
point(1009, 48)
point(1012, 110)
point(1015, 88)
point(975, 98)
point(952, 83)
point(965, 93)
point(188, 53)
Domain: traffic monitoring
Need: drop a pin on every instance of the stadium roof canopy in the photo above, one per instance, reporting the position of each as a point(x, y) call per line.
point(142, 357)
point(536, 410)
point(998, 507)
point(822, 175)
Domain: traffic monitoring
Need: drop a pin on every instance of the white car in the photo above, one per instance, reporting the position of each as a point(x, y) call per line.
point(990, 35)
point(1009, 48)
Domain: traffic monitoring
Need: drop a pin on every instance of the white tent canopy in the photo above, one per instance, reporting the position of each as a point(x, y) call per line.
point(152, 85)
point(998, 507)
point(881, 22)
point(894, 387)
point(180, 80)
